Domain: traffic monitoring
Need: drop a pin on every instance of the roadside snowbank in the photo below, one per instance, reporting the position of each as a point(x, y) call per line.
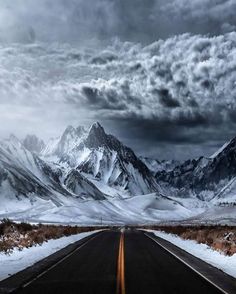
point(19, 260)
point(202, 251)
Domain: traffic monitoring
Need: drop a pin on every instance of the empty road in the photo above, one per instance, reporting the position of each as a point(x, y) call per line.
point(115, 262)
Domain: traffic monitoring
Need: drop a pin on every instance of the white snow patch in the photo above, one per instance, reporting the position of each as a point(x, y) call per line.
point(150, 208)
point(202, 251)
point(220, 150)
point(19, 260)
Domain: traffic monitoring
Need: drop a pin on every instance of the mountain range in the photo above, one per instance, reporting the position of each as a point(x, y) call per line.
point(89, 176)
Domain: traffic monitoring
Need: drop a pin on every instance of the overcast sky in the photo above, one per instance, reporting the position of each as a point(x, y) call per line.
point(160, 74)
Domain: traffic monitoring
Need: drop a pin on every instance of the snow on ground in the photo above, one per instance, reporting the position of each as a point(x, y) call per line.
point(149, 208)
point(19, 260)
point(118, 209)
point(215, 215)
point(202, 251)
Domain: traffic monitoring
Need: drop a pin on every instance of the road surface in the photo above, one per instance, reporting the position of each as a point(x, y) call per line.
point(120, 263)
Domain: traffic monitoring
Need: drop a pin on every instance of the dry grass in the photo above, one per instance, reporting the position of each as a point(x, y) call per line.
point(24, 235)
point(21, 235)
point(221, 238)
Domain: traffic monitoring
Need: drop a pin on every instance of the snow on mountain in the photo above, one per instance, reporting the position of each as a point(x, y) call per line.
point(102, 156)
point(187, 180)
point(220, 150)
point(25, 176)
point(79, 185)
point(205, 178)
point(87, 175)
point(16, 178)
point(152, 164)
point(63, 145)
point(46, 192)
point(155, 165)
point(33, 144)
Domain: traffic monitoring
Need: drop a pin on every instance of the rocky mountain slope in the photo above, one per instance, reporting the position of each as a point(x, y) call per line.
point(33, 144)
point(86, 174)
point(101, 156)
point(24, 175)
point(155, 165)
point(206, 178)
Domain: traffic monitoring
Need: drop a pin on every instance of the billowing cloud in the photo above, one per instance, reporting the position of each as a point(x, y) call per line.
point(180, 91)
point(83, 21)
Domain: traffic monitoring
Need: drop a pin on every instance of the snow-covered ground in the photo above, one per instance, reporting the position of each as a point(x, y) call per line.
point(19, 260)
point(202, 251)
point(150, 208)
point(215, 215)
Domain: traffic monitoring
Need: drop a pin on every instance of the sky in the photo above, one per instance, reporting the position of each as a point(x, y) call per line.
point(159, 74)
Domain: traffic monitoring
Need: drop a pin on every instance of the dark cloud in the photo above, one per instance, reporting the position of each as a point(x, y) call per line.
point(170, 142)
point(154, 93)
point(104, 58)
point(142, 21)
point(166, 99)
point(100, 99)
point(157, 95)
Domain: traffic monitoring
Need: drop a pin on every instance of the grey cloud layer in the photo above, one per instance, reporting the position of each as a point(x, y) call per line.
point(185, 80)
point(139, 20)
point(180, 91)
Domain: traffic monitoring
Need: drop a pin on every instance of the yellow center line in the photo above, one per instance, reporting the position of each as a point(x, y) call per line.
point(120, 287)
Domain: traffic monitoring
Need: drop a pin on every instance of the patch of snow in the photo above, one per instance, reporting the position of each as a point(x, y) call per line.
point(142, 209)
point(19, 260)
point(156, 166)
point(216, 215)
point(202, 251)
point(98, 154)
point(220, 150)
point(51, 146)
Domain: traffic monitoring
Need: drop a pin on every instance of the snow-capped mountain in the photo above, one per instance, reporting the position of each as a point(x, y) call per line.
point(205, 178)
point(156, 166)
point(33, 144)
point(62, 146)
point(103, 157)
point(23, 175)
point(17, 178)
point(35, 189)
point(86, 174)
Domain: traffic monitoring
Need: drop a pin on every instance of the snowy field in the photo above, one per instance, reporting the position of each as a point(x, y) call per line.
point(19, 260)
point(202, 251)
point(142, 209)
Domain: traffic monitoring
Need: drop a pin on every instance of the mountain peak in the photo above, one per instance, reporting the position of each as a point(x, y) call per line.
point(96, 136)
point(69, 129)
point(228, 145)
point(13, 138)
point(77, 132)
point(97, 130)
point(80, 130)
point(96, 126)
point(33, 143)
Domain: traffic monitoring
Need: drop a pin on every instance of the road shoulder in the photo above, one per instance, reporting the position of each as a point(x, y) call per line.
point(23, 277)
point(215, 276)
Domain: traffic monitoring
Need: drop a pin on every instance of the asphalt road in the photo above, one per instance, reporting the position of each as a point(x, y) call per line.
point(137, 262)
point(150, 269)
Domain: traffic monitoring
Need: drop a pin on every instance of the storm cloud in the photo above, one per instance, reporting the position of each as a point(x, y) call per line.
point(179, 91)
point(158, 74)
point(143, 21)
